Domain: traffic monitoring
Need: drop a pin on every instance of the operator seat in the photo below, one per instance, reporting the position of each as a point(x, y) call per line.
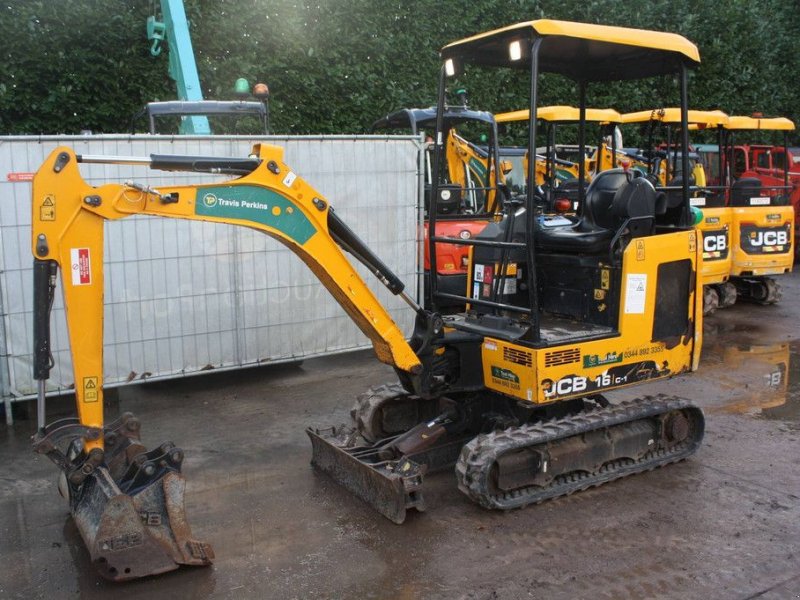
point(608, 204)
point(670, 207)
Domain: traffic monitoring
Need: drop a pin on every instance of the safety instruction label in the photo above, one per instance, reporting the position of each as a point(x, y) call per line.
point(81, 264)
point(90, 385)
point(635, 293)
point(47, 211)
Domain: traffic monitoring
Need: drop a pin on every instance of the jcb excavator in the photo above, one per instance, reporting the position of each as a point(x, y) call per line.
point(716, 217)
point(510, 392)
point(763, 217)
point(561, 180)
point(467, 199)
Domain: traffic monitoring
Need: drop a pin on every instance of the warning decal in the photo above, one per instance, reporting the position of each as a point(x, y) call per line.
point(19, 176)
point(90, 389)
point(47, 211)
point(81, 264)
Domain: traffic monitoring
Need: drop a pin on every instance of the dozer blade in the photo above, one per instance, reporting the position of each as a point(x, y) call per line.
point(128, 503)
point(392, 487)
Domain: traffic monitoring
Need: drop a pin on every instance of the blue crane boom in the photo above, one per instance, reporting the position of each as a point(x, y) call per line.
point(182, 66)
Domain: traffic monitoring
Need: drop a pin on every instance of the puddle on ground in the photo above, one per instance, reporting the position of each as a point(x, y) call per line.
point(759, 379)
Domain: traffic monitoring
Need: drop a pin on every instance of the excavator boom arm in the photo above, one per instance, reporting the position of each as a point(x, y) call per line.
point(127, 501)
point(270, 197)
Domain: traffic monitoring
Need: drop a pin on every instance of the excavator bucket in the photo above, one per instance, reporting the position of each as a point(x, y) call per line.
point(128, 503)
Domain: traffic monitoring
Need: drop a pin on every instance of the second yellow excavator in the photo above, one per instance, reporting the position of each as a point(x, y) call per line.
point(509, 393)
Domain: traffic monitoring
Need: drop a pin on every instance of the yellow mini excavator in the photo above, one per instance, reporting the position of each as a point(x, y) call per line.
point(510, 392)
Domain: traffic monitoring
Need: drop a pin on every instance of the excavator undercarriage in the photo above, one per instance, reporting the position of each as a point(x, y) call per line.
point(505, 456)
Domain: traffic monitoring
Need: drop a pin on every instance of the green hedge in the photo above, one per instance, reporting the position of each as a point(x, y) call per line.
point(334, 66)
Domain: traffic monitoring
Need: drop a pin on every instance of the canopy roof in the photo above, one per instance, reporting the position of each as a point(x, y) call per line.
point(773, 124)
point(709, 118)
point(562, 114)
point(581, 51)
point(420, 118)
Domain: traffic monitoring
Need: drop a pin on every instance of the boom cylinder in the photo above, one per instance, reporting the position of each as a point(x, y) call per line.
point(44, 285)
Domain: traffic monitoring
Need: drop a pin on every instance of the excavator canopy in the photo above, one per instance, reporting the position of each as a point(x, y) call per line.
point(423, 118)
point(580, 51)
point(771, 124)
point(562, 114)
point(709, 118)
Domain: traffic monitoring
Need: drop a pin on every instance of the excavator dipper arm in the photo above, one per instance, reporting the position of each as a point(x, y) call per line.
point(127, 501)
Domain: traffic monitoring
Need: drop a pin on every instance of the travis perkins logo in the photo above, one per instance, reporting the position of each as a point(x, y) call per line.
point(505, 377)
point(211, 200)
point(594, 360)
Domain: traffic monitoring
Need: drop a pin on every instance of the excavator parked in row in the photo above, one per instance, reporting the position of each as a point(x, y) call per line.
point(467, 200)
point(509, 393)
point(763, 198)
point(560, 178)
point(716, 218)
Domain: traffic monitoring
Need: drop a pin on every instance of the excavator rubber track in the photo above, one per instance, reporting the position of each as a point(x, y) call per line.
point(498, 470)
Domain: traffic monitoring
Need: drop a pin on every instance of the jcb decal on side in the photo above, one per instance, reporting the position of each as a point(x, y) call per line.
point(81, 266)
point(613, 377)
point(715, 244)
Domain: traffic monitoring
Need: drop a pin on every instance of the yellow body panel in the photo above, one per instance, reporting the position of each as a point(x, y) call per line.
point(762, 241)
point(715, 233)
point(281, 204)
point(543, 375)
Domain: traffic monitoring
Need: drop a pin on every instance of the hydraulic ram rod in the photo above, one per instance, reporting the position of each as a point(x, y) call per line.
point(169, 162)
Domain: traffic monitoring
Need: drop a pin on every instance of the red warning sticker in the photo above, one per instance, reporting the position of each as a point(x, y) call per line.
point(81, 264)
point(20, 176)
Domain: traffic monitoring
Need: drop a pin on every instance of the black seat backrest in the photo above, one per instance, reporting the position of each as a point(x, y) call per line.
point(636, 200)
point(569, 189)
point(743, 189)
point(675, 197)
point(600, 196)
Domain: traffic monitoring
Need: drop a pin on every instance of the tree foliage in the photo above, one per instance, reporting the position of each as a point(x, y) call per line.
point(334, 66)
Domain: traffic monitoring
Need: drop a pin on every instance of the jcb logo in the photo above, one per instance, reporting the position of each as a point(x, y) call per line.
point(769, 238)
point(715, 243)
point(569, 385)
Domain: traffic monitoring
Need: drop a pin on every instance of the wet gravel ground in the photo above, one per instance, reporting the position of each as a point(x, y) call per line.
point(723, 524)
